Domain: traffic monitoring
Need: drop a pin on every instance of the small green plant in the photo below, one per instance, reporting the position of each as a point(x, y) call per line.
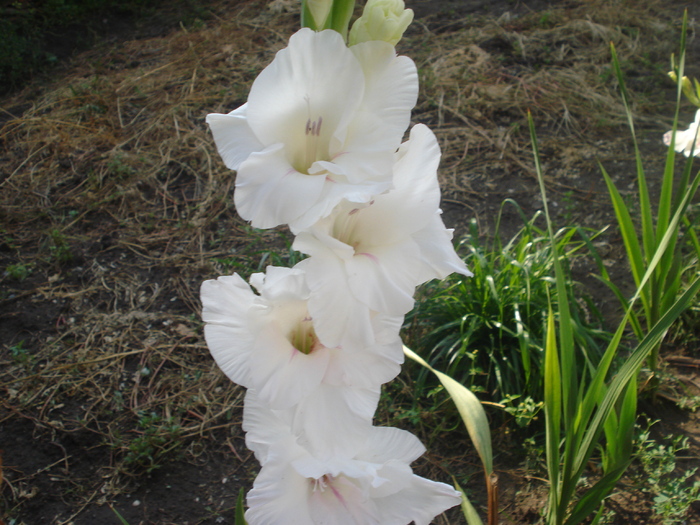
point(117, 167)
point(60, 249)
point(18, 272)
point(672, 488)
point(157, 439)
point(19, 354)
point(523, 412)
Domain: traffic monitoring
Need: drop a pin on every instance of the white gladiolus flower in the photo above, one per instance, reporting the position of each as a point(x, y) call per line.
point(687, 141)
point(269, 342)
point(369, 483)
point(321, 124)
point(369, 258)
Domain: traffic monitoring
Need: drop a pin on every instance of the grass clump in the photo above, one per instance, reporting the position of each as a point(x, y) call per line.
point(487, 331)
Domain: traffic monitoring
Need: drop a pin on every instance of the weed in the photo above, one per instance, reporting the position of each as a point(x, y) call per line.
point(116, 167)
point(20, 355)
point(670, 485)
point(157, 439)
point(60, 249)
point(545, 20)
point(18, 272)
point(523, 412)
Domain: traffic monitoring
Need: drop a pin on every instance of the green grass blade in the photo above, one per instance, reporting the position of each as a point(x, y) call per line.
point(119, 516)
point(566, 337)
point(629, 234)
point(593, 496)
point(468, 509)
point(648, 238)
point(469, 408)
point(552, 411)
point(240, 510)
point(655, 335)
point(629, 370)
point(665, 209)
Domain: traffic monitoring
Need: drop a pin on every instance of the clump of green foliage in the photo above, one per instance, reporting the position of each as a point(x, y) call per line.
point(487, 331)
point(672, 487)
point(157, 440)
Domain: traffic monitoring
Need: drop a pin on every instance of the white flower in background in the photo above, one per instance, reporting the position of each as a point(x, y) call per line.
point(321, 124)
point(687, 141)
point(370, 484)
point(268, 342)
point(381, 20)
point(369, 258)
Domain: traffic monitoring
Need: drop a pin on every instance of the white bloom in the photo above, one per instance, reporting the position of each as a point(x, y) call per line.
point(378, 253)
point(687, 141)
point(321, 124)
point(370, 484)
point(268, 342)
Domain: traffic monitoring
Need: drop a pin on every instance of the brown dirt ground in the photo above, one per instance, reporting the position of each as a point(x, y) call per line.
point(115, 207)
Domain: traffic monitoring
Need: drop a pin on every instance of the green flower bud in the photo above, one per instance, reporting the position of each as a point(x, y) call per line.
point(319, 9)
point(692, 92)
point(381, 20)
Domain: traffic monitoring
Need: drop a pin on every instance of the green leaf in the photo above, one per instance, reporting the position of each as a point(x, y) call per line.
point(468, 509)
point(469, 408)
point(240, 510)
point(119, 516)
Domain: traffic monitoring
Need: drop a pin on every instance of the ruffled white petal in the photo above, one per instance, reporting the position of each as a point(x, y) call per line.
point(374, 486)
point(234, 139)
point(226, 303)
point(306, 81)
point(269, 191)
point(391, 91)
point(376, 254)
point(419, 501)
point(284, 376)
point(388, 443)
point(279, 495)
point(334, 421)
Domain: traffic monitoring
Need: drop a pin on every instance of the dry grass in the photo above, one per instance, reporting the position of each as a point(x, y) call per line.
point(114, 205)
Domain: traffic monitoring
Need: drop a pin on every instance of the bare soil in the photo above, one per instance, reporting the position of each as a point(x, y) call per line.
point(116, 206)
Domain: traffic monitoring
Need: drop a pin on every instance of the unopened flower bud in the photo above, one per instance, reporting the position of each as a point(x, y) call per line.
point(319, 9)
point(381, 20)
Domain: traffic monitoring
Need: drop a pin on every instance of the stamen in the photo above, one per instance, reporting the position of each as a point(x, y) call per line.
point(314, 147)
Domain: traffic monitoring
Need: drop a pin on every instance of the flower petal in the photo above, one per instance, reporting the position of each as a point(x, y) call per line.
point(225, 305)
point(420, 501)
point(269, 192)
point(234, 139)
point(304, 81)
